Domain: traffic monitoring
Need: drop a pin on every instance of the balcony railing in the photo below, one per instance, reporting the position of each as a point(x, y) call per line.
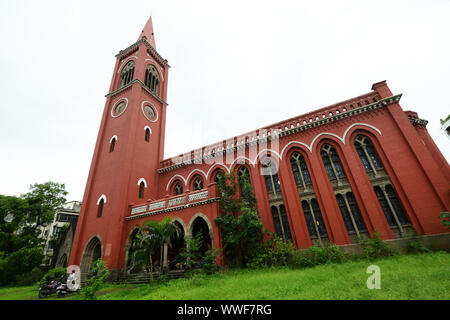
point(171, 203)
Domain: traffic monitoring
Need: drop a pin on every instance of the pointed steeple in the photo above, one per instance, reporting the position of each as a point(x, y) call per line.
point(147, 32)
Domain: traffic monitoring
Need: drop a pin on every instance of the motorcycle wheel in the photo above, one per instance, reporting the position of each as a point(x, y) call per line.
point(60, 294)
point(43, 293)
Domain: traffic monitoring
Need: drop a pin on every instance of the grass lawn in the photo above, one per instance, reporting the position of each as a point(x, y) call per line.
point(422, 276)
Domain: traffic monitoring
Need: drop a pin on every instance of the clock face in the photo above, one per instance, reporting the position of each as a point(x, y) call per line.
point(149, 112)
point(119, 107)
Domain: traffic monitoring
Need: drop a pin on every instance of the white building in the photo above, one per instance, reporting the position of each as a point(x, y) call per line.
point(56, 253)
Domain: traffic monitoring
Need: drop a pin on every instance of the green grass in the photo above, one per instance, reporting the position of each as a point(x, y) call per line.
point(418, 277)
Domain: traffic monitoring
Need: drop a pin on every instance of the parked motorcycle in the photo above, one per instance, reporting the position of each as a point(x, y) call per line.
point(47, 289)
point(64, 289)
point(72, 285)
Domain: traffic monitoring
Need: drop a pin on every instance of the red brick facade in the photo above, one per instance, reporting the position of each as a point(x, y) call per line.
point(356, 167)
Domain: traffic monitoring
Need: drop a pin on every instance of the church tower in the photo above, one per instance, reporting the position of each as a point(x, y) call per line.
point(129, 148)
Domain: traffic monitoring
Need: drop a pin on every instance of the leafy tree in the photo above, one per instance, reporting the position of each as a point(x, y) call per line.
point(153, 235)
point(241, 235)
point(94, 283)
point(21, 219)
point(193, 251)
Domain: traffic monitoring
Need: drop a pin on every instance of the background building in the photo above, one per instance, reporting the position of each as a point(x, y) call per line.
point(59, 235)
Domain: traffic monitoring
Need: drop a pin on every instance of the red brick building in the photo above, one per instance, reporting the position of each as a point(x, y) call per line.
point(358, 166)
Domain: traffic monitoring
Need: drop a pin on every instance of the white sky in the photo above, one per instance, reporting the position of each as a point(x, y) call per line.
point(235, 66)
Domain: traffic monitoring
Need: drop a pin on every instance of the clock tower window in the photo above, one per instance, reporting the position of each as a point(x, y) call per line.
point(127, 74)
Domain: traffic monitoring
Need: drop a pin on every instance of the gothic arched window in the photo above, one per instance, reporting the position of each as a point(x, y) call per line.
point(100, 207)
point(367, 154)
point(112, 144)
point(141, 189)
point(271, 176)
point(393, 210)
point(314, 220)
point(127, 74)
point(300, 170)
point(151, 80)
point(242, 174)
point(332, 162)
point(281, 222)
point(198, 183)
point(147, 134)
point(353, 220)
point(178, 189)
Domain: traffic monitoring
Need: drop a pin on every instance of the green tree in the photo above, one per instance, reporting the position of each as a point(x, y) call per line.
point(21, 219)
point(242, 235)
point(96, 282)
point(154, 235)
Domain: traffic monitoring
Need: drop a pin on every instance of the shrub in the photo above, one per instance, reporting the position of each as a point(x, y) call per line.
point(209, 261)
point(18, 263)
point(29, 278)
point(52, 274)
point(445, 217)
point(375, 247)
point(100, 273)
point(274, 252)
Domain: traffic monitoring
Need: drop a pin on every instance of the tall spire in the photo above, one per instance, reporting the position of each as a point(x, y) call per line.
point(147, 32)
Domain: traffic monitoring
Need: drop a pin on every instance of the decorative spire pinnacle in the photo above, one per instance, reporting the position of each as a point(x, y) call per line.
point(147, 32)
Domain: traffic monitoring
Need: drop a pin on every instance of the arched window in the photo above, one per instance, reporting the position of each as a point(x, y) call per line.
point(271, 176)
point(127, 74)
point(314, 220)
point(353, 220)
point(216, 175)
point(178, 189)
point(300, 170)
point(367, 154)
point(141, 189)
point(243, 174)
point(147, 134)
point(100, 207)
point(198, 183)
point(112, 144)
point(152, 79)
point(393, 210)
point(332, 162)
point(281, 222)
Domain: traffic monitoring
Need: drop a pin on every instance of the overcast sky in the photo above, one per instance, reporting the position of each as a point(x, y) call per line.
point(235, 66)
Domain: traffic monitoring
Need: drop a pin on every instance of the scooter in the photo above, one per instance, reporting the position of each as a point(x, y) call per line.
point(48, 289)
point(64, 289)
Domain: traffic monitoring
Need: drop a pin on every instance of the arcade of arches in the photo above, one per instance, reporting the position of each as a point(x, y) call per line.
point(178, 242)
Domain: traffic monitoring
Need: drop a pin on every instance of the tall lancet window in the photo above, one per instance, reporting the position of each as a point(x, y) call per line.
point(331, 162)
point(270, 172)
point(300, 170)
point(112, 144)
point(100, 207)
point(127, 74)
point(152, 79)
point(141, 189)
point(367, 154)
point(147, 134)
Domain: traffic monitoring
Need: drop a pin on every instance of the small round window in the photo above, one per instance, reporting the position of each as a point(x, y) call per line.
point(119, 108)
point(149, 112)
